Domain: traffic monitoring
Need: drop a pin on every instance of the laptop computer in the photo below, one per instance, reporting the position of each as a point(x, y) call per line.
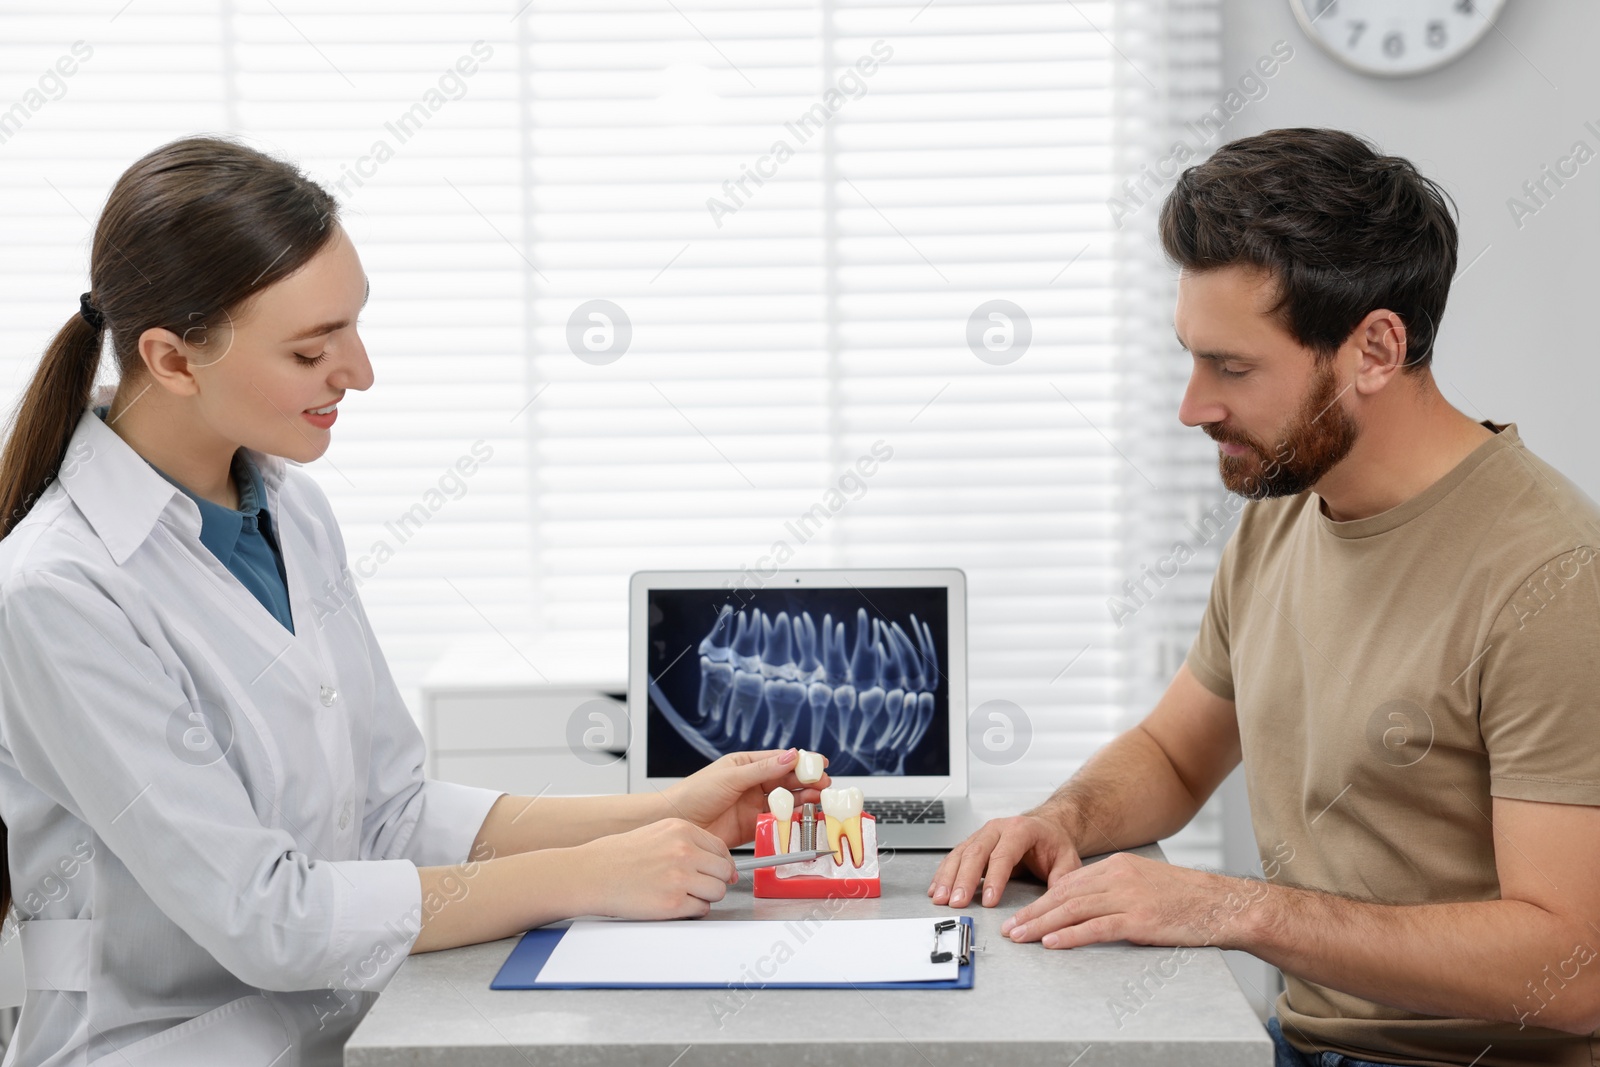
point(868, 667)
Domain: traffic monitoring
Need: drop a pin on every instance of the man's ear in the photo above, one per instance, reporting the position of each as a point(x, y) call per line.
point(1380, 343)
point(166, 359)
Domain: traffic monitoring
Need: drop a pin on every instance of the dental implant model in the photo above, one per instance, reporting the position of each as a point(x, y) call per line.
point(852, 870)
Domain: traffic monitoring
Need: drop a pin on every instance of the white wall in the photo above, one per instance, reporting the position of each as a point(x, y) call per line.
point(1518, 339)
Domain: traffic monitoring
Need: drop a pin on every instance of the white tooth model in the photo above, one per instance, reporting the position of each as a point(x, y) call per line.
point(808, 766)
point(842, 807)
point(781, 803)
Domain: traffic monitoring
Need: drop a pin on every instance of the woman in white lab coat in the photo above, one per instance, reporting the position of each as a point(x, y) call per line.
point(221, 843)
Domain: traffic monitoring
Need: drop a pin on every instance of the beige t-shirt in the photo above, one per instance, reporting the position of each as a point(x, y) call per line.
point(1392, 674)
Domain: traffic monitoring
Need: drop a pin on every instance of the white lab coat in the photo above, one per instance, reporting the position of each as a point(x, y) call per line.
point(184, 905)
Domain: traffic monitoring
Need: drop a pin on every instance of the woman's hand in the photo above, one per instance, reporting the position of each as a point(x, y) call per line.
point(669, 869)
point(726, 797)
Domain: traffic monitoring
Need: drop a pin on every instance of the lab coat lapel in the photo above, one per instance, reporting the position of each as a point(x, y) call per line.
point(295, 692)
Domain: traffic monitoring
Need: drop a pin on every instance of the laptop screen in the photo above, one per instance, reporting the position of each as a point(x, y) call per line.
point(858, 674)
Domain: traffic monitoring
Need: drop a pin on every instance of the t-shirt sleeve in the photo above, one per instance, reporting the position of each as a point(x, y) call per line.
point(1208, 655)
point(1539, 686)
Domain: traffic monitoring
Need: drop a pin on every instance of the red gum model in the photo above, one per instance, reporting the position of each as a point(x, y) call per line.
point(768, 884)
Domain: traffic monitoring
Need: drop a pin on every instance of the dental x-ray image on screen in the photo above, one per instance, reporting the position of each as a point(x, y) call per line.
point(852, 673)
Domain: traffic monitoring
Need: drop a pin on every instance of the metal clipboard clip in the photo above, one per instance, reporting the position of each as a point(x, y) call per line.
point(939, 928)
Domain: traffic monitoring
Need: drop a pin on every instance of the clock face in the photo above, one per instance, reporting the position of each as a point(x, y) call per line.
point(1396, 37)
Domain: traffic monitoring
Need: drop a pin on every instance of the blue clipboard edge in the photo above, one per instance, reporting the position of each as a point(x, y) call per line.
point(533, 951)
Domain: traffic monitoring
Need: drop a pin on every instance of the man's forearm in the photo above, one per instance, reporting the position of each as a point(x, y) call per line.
point(524, 824)
point(1127, 794)
point(1505, 960)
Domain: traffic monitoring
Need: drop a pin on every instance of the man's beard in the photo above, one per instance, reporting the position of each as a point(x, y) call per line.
point(1318, 437)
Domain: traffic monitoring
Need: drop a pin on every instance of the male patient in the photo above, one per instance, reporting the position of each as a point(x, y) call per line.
point(1402, 645)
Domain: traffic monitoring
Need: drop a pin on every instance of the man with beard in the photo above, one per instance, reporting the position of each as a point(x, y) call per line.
point(1400, 646)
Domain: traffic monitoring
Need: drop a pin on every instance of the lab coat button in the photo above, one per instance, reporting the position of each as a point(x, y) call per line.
point(329, 695)
point(344, 817)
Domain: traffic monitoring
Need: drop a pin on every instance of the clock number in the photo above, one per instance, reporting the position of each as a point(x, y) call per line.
point(1423, 36)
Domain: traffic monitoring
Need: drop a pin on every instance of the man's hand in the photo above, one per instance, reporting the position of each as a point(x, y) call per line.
point(1035, 840)
point(1129, 898)
point(1144, 786)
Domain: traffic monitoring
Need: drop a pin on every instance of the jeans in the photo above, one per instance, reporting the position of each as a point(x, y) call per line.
point(1289, 1056)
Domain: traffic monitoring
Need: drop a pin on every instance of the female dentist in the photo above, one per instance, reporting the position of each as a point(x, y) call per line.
point(221, 843)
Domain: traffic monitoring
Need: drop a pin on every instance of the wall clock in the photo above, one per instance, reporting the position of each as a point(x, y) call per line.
point(1394, 38)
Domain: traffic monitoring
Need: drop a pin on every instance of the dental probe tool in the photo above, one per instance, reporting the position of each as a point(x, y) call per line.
point(750, 863)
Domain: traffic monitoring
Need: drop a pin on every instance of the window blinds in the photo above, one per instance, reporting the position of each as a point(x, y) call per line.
point(665, 272)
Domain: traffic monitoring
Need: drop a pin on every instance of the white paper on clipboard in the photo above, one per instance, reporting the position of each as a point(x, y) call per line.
point(797, 951)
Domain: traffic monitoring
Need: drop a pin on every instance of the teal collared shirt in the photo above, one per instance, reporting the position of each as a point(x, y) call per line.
point(243, 541)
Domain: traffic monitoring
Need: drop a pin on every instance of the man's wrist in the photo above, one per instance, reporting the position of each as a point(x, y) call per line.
point(1060, 812)
point(1257, 904)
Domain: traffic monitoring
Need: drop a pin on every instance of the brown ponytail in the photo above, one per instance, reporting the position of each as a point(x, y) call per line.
point(188, 235)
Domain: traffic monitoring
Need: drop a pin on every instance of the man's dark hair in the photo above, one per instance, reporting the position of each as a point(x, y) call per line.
point(1342, 230)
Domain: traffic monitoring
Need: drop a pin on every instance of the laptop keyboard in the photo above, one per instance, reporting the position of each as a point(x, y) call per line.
point(906, 811)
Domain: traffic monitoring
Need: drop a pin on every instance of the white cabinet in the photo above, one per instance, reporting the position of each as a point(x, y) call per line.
point(493, 719)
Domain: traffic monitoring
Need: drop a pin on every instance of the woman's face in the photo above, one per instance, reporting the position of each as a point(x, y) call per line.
point(291, 351)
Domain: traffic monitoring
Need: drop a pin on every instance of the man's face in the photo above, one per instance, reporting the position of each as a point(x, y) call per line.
point(1275, 410)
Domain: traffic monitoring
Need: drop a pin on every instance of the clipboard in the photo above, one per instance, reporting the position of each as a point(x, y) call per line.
point(711, 954)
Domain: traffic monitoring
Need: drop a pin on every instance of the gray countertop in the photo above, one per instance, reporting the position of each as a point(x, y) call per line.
point(1097, 1006)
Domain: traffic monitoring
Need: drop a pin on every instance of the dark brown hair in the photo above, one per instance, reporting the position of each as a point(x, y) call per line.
point(189, 234)
point(1342, 230)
